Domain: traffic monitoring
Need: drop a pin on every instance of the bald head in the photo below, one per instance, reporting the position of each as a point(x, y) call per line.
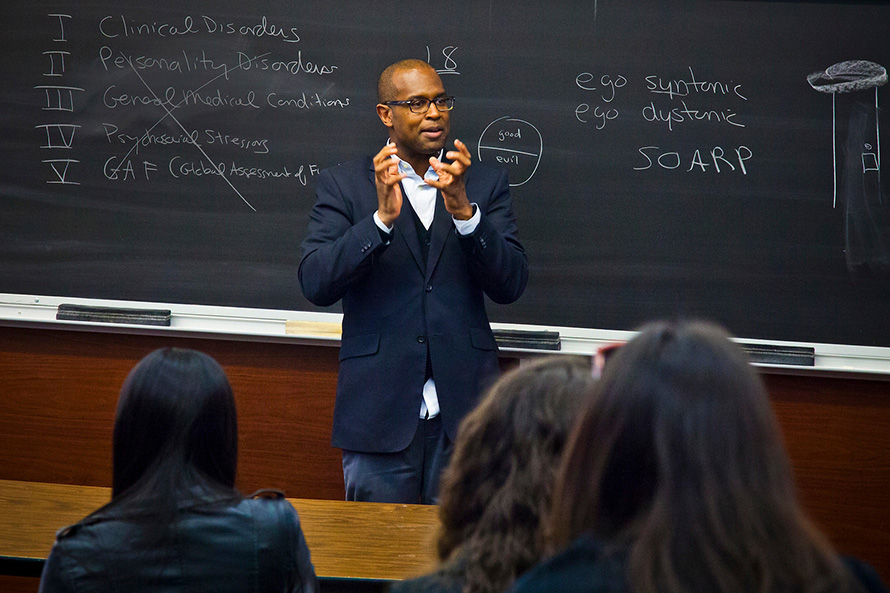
point(386, 89)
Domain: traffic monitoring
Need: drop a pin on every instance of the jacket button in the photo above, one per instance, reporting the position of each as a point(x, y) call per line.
point(429, 287)
point(421, 339)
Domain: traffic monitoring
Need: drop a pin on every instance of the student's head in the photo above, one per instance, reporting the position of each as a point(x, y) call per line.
point(678, 460)
point(418, 132)
point(498, 484)
point(175, 424)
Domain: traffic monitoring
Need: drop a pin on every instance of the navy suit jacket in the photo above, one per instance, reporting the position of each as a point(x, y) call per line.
point(395, 307)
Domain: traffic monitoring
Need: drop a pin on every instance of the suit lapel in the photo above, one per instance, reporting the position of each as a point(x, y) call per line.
point(440, 231)
point(404, 226)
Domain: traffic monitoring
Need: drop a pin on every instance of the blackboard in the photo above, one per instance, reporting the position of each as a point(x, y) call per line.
point(667, 158)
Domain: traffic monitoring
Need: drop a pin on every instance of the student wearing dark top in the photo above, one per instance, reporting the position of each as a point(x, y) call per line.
point(175, 521)
point(676, 480)
point(497, 487)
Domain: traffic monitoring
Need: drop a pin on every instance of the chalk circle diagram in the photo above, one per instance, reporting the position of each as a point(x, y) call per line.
point(848, 77)
point(513, 144)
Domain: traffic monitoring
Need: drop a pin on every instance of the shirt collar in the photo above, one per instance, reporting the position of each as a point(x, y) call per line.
point(405, 167)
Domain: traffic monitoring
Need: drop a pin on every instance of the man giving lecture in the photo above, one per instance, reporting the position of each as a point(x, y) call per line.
point(410, 240)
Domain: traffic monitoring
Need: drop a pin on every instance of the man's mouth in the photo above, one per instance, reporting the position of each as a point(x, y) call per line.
point(433, 133)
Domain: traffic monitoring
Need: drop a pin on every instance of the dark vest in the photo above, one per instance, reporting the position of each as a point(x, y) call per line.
point(423, 235)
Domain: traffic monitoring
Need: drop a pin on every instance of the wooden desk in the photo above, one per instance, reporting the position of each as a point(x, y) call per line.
point(348, 540)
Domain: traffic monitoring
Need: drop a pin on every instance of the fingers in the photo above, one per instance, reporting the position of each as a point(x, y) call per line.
point(383, 159)
point(462, 155)
point(387, 177)
point(460, 162)
point(385, 168)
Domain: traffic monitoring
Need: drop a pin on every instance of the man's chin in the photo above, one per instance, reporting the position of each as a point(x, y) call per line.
point(434, 148)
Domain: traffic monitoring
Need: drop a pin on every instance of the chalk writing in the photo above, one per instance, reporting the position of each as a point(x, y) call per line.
point(59, 135)
point(699, 160)
point(187, 62)
point(162, 69)
point(606, 86)
point(681, 112)
point(63, 18)
point(112, 98)
point(678, 115)
point(254, 145)
point(246, 62)
point(175, 98)
point(207, 136)
point(181, 64)
point(680, 87)
point(56, 62)
point(222, 67)
point(123, 169)
point(514, 144)
point(59, 98)
point(607, 83)
point(200, 61)
point(60, 168)
point(599, 113)
point(116, 26)
point(112, 27)
point(304, 101)
point(148, 138)
point(179, 167)
point(449, 64)
point(672, 106)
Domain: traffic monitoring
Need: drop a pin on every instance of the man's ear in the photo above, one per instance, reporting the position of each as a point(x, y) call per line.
point(384, 112)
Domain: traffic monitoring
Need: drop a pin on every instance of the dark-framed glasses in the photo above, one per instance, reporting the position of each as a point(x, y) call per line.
point(422, 105)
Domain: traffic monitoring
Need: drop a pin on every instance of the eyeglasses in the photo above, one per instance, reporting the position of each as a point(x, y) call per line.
point(421, 105)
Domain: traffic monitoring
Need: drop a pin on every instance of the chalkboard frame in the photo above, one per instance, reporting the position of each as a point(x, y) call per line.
point(270, 325)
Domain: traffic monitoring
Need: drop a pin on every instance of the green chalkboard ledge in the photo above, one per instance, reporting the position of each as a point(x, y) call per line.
point(322, 329)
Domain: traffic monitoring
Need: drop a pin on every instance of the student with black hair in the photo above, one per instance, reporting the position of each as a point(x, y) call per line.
point(175, 521)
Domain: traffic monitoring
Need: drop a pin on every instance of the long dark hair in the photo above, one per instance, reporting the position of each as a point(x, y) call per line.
point(498, 485)
point(175, 433)
point(678, 462)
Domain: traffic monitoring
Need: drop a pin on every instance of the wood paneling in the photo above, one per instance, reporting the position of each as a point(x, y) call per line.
point(837, 432)
point(59, 389)
point(12, 584)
